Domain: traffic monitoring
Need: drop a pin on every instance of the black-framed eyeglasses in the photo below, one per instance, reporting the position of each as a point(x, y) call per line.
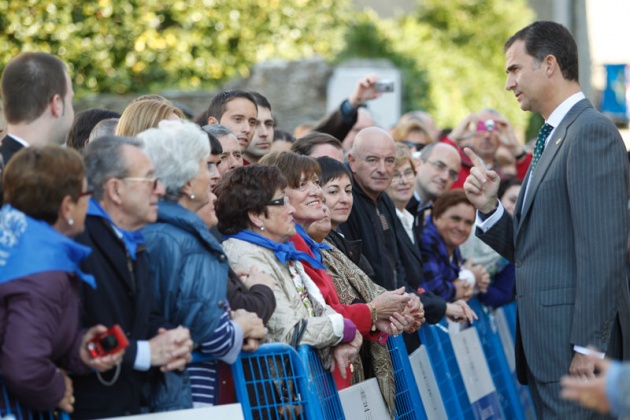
point(282, 201)
point(153, 180)
point(87, 192)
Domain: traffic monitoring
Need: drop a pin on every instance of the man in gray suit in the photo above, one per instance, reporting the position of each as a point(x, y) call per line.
point(568, 236)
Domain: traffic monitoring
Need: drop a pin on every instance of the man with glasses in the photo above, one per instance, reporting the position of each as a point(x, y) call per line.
point(436, 171)
point(125, 196)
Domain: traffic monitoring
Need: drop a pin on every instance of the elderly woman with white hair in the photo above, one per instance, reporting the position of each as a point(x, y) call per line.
point(188, 266)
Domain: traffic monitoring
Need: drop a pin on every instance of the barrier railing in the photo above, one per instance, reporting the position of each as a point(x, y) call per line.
point(11, 408)
point(407, 400)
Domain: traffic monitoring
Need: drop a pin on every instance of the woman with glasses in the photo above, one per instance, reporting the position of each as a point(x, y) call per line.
point(40, 276)
point(187, 264)
point(257, 218)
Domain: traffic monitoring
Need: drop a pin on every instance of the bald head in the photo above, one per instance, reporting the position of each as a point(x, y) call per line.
point(372, 159)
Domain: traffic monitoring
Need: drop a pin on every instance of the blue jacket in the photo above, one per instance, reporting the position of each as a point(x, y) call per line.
point(189, 270)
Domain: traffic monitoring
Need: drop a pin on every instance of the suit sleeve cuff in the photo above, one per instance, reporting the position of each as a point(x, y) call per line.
point(484, 223)
point(143, 356)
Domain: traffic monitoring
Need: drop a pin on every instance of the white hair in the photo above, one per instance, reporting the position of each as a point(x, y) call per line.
point(175, 147)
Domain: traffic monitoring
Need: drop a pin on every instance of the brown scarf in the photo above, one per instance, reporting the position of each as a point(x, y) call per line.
point(352, 284)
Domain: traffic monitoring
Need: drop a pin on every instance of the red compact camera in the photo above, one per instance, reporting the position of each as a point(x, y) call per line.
point(110, 342)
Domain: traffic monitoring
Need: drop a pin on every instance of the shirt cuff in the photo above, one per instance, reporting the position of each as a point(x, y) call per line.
point(143, 356)
point(612, 384)
point(486, 224)
point(234, 351)
point(588, 352)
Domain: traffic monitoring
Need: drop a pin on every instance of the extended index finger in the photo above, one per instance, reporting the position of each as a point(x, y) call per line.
point(476, 160)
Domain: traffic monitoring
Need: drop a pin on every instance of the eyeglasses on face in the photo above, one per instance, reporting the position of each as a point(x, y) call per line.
point(282, 201)
point(153, 180)
point(87, 192)
point(407, 174)
point(441, 167)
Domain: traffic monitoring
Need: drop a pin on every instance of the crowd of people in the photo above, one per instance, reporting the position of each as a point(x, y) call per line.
point(219, 231)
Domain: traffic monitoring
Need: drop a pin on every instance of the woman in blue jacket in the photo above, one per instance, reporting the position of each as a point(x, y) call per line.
point(187, 264)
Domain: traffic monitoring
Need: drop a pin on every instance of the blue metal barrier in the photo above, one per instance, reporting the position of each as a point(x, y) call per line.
point(323, 384)
point(275, 382)
point(407, 401)
point(11, 408)
point(447, 373)
point(497, 362)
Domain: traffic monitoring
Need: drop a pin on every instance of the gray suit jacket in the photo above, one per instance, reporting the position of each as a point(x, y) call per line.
point(568, 243)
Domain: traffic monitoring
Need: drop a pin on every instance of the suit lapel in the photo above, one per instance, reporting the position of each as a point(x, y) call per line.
point(551, 149)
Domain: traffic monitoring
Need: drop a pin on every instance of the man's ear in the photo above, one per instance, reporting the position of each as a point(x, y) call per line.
point(351, 161)
point(112, 191)
point(212, 121)
point(551, 65)
point(56, 106)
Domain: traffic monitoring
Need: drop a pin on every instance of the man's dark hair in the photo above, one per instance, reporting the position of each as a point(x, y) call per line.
point(283, 135)
point(29, 82)
point(218, 105)
point(331, 169)
point(260, 100)
point(545, 38)
point(306, 144)
point(215, 144)
point(84, 123)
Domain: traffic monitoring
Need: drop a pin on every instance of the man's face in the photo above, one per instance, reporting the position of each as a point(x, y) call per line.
point(66, 116)
point(373, 162)
point(436, 176)
point(327, 150)
point(231, 158)
point(486, 142)
point(526, 78)
point(213, 167)
point(240, 116)
point(139, 199)
point(263, 135)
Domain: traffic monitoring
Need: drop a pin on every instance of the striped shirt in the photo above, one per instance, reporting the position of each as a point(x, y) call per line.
point(225, 344)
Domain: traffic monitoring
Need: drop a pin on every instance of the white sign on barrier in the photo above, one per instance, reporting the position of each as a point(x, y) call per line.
point(363, 401)
point(427, 385)
point(475, 372)
point(228, 411)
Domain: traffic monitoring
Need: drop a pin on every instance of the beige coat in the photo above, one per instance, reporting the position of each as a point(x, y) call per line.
point(321, 331)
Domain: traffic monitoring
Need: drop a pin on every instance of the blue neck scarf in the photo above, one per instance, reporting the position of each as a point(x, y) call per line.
point(315, 248)
point(131, 238)
point(283, 251)
point(30, 246)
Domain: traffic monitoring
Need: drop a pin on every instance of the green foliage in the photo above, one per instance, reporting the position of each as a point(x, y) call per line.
point(450, 52)
point(140, 45)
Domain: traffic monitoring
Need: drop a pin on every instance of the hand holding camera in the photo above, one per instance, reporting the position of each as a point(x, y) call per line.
point(102, 348)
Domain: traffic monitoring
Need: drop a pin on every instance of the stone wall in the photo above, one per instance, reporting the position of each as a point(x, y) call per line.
point(295, 89)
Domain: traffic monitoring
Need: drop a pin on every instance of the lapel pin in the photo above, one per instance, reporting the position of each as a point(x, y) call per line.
point(559, 140)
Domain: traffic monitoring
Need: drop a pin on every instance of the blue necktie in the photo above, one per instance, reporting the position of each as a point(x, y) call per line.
point(544, 132)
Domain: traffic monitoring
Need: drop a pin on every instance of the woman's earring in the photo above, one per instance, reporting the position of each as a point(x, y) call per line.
point(262, 228)
point(70, 221)
point(192, 196)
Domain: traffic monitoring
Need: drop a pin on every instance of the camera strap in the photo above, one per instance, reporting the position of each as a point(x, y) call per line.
point(114, 378)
